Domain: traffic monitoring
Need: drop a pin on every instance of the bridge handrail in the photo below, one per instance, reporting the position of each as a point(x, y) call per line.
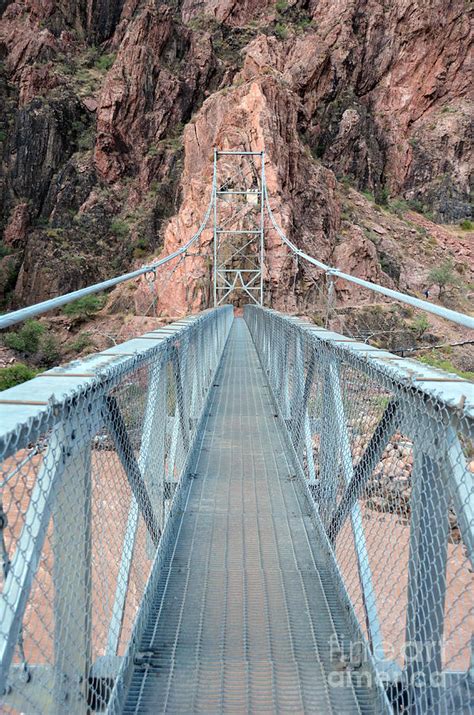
point(91, 457)
point(452, 315)
point(31, 311)
point(383, 445)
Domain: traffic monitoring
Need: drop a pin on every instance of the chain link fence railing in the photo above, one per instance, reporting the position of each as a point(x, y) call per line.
point(386, 448)
point(92, 455)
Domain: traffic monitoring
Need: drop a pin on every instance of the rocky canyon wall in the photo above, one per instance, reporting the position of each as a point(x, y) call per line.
point(111, 109)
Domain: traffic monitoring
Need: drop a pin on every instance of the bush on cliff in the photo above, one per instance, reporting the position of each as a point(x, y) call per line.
point(15, 374)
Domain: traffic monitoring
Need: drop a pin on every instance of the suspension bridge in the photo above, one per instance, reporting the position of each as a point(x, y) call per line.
point(238, 512)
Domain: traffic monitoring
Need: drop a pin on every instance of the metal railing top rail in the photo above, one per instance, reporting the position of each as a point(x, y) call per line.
point(31, 311)
point(447, 388)
point(27, 408)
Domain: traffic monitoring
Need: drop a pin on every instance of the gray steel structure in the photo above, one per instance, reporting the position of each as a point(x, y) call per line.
point(238, 247)
point(229, 516)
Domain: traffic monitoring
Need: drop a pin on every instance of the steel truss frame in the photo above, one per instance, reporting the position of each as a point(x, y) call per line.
point(227, 278)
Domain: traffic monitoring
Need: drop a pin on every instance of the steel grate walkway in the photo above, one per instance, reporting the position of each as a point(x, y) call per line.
point(244, 612)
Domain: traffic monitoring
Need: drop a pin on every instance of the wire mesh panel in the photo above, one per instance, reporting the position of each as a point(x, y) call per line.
point(92, 455)
point(385, 446)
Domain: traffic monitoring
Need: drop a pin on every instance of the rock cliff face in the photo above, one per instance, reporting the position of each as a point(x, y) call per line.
point(111, 110)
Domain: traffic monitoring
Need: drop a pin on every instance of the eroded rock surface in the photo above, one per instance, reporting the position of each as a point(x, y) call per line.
point(112, 111)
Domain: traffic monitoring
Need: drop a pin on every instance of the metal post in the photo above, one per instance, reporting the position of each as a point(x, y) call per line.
point(152, 448)
point(363, 563)
point(328, 452)
point(215, 234)
point(426, 569)
point(262, 223)
point(72, 548)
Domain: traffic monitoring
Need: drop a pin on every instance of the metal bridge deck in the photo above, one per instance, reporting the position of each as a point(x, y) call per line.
point(244, 611)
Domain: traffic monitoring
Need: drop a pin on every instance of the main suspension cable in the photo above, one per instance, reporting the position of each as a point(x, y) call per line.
point(452, 315)
point(17, 316)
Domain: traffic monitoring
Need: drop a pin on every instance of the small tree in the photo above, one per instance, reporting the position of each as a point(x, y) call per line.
point(420, 325)
point(443, 276)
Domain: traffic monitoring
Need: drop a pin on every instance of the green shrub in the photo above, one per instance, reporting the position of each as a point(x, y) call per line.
point(85, 307)
point(281, 31)
point(15, 374)
point(420, 325)
point(384, 196)
point(49, 352)
point(303, 23)
point(467, 225)
point(398, 206)
point(281, 5)
point(5, 250)
point(86, 139)
point(120, 228)
point(416, 206)
point(27, 339)
point(104, 62)
point(3, 135)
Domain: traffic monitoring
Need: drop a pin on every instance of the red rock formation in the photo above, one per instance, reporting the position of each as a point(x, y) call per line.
point(144, 96)
point(97, 94)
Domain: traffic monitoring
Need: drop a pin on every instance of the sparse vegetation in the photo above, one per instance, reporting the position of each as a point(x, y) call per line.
point(448, 110)
point(443, 276)
point(281, 31)
point(467, 225)
point(5, 250)
point(140, 248)
point(105, 62)
point(15, 374)
point(49, 353)
point(82, 342)
point(85, 140)
point(120, 228)
point(420, 325)
point(26, 340)
point(400, 206)
point(436, 360)
point(85, 307)
point(384, 196)
point(54, 232)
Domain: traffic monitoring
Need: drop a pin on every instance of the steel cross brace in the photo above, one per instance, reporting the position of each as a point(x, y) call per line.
point(371, 456)
point(154, 478)
point(118, 430)
point(65, 440)
point(343, 450)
